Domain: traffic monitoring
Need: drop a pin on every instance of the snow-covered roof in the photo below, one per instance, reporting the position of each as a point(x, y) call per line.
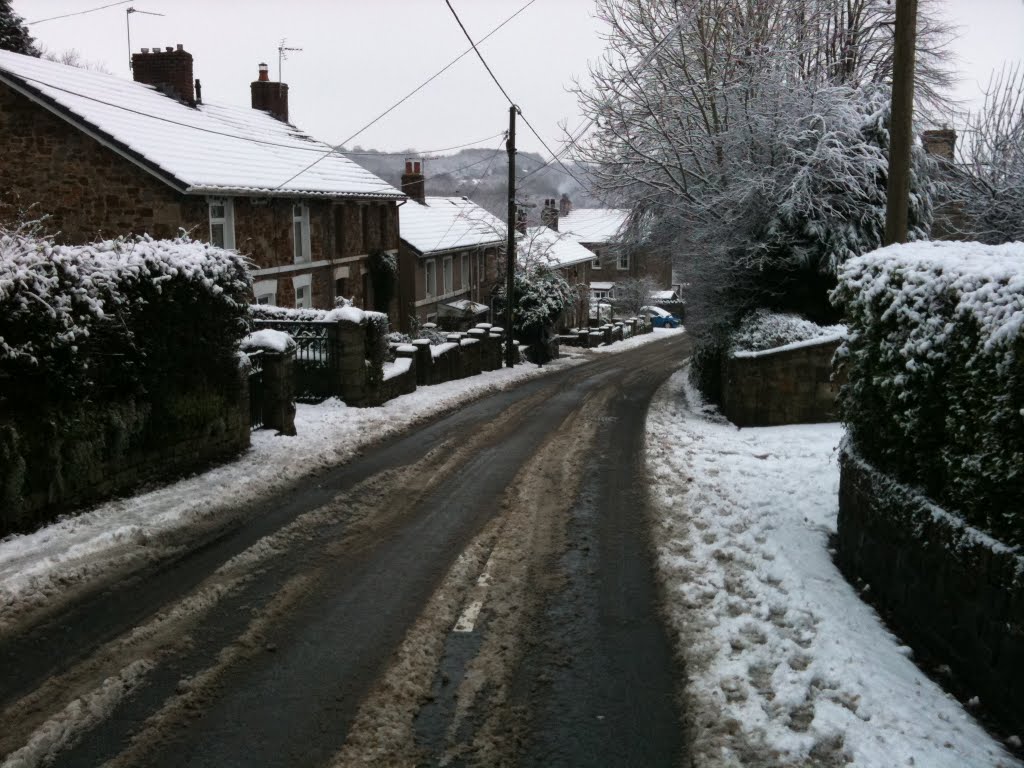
point(206, 149)
point(448, 223)
point(664, 295)
point(600, 286)
point(593, 225)
point(465, 305)
point(557, 249)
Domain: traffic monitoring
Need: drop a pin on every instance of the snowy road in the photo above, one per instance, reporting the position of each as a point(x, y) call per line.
point(475, 592)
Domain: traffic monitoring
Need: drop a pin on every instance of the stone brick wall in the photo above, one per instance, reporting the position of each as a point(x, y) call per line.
point(51, 463)
point(790, 386)
point(955, 597)
point(87, 189)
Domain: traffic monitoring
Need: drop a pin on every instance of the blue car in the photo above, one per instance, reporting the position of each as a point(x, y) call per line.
point(661, 318)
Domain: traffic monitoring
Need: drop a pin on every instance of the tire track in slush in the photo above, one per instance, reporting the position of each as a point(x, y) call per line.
point(350, 597)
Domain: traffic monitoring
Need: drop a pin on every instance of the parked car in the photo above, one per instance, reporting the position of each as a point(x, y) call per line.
point(661, 318)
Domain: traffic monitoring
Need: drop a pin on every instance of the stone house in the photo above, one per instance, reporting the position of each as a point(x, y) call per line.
point(101, 155)
point(597, 229)
point(565, 255)
point(448, 261)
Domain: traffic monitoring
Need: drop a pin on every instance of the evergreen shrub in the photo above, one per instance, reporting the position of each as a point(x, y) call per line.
point(935, 359)
point(125, 318)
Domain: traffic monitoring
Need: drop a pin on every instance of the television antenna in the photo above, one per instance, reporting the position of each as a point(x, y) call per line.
point(282, 55)
point(128, 23)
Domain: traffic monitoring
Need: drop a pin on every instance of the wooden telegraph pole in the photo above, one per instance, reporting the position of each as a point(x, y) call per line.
point(510, 253)
point(901, 122)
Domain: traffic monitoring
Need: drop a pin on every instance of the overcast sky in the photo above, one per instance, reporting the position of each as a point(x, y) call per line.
point(360, 56)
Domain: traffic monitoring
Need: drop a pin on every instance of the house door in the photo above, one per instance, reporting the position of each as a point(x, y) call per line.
point(367, 291)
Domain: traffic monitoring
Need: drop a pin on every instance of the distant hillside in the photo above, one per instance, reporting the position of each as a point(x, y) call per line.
point(482, 176)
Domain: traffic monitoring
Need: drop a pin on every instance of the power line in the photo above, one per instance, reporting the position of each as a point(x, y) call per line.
point(411, 93)
point(509, 98)
point(446, 173)
point(79, 13)
point(250, 139)
point(571, 141)
point(421, 151)
point(479, 55)
point(461, 213)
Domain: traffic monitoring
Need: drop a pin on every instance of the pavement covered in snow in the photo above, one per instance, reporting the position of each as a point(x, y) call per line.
point(786, 666)
point(127, 533)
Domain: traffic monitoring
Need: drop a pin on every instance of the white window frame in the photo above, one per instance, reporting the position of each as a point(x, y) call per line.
point(265, 292)
point(623, 261)
point(596, 263)
point(303, 284)
point(448, 275)
point(227, 220)
point(301, 248)
point(465, 270)
point(430, 278)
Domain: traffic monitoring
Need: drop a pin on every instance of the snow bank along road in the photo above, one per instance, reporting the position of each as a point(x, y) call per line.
point(475, 592)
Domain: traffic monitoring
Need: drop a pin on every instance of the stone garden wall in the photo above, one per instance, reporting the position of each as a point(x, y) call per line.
point(51, 463)
point(951, 592)
point(787, 385)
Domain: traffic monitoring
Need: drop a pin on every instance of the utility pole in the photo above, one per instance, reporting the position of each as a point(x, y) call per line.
point(901, 122)
point(510, 248)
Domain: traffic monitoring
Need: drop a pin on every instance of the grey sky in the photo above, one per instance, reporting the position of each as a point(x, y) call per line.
point(360, 56)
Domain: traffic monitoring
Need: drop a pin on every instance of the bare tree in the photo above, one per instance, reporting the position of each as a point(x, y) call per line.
point(72, 57)
point(634, 293)
point(986, 185)
point(752, 142)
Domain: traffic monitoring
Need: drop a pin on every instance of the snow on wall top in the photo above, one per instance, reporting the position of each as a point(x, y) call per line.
point(208, 149)
point(447, 223)
point(593, 225)
point(557, 249)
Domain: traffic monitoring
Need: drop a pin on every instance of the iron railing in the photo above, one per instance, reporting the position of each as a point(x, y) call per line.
point(316, 357)
point(255, 389)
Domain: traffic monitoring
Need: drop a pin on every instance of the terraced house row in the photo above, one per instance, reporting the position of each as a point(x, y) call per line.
point(102, 156)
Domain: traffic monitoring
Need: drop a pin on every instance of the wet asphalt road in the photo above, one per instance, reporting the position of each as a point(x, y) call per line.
point(478, 591)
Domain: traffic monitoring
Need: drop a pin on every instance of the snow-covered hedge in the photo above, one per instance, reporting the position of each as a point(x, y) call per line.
point(935, 357)
point(764, 329)
point(345, 312)
point(126, 316)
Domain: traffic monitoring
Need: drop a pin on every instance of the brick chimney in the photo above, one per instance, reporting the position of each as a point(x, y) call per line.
point(413, 182)
point(549, 214)
point(940, 142)
point(520, 220)
point(170, 70)
point(564, 206)
point(270, 97)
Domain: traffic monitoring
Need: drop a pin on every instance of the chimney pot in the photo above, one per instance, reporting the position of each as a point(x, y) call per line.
point(413, 181)
point(167, 70)
point(169, 49)
point(199, 92)
point(181, 47)
point(270, 97)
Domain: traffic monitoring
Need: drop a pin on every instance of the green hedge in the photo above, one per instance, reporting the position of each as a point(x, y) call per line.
point(131, 317)
point(935, 358)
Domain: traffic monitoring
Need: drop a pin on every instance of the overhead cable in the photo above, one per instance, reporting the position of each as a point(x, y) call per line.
point(411, 93)
point(79, 13)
